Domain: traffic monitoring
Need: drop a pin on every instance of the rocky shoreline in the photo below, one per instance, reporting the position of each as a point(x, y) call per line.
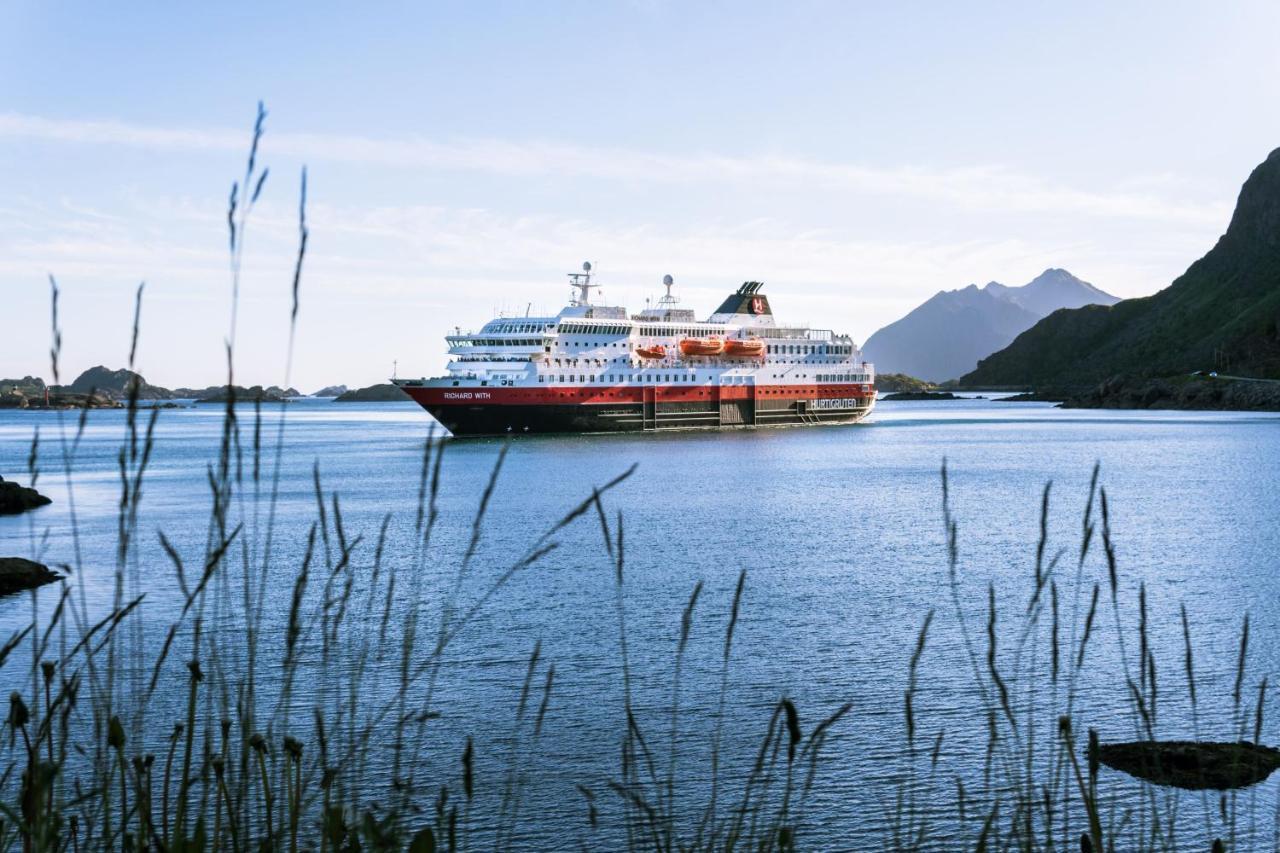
point(1195, 393)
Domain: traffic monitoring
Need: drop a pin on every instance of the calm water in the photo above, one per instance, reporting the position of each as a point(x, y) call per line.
point(840, 532)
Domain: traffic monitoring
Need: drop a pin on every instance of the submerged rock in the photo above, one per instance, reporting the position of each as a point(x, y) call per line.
point(15, 499)
point(17, 574)
point(1193, 765)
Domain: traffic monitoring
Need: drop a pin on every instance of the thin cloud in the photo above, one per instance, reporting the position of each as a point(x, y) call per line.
point(390, 281)
point(972, 188)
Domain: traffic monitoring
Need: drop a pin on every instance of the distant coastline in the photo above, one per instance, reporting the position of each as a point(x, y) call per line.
point(102, 388)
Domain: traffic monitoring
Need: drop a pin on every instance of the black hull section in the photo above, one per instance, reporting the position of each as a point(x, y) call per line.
point(490, 420)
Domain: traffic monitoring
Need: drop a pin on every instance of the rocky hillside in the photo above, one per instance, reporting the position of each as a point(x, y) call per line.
point(1223, 313)
point(947, 335)
point(117, 384)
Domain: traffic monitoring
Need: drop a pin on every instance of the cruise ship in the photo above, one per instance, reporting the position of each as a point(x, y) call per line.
point(594, 368)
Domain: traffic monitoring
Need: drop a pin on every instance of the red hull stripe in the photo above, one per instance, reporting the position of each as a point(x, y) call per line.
point(574, 394)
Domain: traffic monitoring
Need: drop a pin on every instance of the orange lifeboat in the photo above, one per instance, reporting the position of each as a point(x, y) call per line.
point(653, 352)
point(750, 348)
point(702, 346)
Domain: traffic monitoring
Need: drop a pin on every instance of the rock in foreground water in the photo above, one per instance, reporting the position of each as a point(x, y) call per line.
point(1193, 765)
point(15, 499)
point(17, 574)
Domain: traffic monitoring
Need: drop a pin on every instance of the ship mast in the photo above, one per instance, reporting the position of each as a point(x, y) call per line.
point(582, 281)
point(668, 302)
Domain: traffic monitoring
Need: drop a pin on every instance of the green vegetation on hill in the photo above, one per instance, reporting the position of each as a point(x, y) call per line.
point(901, 382)
point(1222, 313)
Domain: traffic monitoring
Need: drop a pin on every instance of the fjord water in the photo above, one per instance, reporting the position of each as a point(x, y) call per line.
point(840, 532)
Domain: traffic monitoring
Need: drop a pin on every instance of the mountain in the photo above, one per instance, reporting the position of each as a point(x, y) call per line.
point(1051, 290)
point(1223, 314)
point(948, 334)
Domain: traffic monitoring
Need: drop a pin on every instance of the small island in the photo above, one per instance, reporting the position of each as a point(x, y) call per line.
point(901, 382)
point(385, 393)
point(919, 395)
point(331, 391)
point(241, 394)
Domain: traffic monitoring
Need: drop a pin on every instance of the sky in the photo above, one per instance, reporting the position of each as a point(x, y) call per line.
point(463, 157)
